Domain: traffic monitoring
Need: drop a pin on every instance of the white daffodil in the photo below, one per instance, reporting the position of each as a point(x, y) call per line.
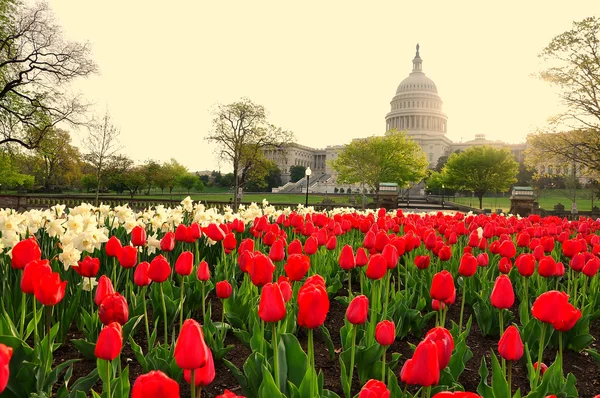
point(69, 256)
point(87, 284)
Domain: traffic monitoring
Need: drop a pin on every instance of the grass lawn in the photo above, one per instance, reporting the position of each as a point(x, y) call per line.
point(547, 199)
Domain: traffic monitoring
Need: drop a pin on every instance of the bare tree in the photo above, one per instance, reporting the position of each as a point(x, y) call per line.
point(36, 67)
point(242, 132)
point(102, 144)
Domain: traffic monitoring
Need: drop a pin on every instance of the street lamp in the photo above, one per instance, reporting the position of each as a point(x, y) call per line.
point(307, 173)
point(443, 191)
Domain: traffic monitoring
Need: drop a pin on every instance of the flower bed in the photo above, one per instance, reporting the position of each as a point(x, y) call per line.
point(295, 303)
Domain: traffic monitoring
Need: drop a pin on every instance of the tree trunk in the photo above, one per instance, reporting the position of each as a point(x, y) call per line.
point(480, 197)
point(149, 186)
point(235, 186)
point(97, 184)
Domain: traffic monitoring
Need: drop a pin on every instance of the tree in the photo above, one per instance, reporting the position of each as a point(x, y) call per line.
point(10, 177)
point(389, 158)
point(187, 181)
point(101, 142)
point(297, 173)
point(60, 160)
point(116, 167)
point(574, 135)
point(241, 130)
point(264, 182)
point(133, 180)
point(89, 182)
point(199, 185)
point(169, 174)
point(150, 169)
point(36, 67)
point(481, 169)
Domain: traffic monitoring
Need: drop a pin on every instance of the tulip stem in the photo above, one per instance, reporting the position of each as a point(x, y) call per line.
point(223, 330)
point(91, 297)
point(311, 357)
point(501, 333)
point(108, 379)
point(35, 326)
point(352, 347)
point(275, 354)
point(350, 284)
point(526, 299)
point(164, 307)
point(540, 356)
point(383, 363)
point(575, 283)
point(193, 380)
point(146, 317)
point(181, 291)
point(560, 351)
point(387, 292)
point(510, 378)
point(114, 270)
point(583, 292)
point(462, 306)
point(22, 325)
point(203, 304)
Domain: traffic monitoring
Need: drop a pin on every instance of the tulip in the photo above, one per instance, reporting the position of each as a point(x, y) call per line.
point(229, 394)
point(155, 384)
point(24, 252)
point(510, 348)
point(167, 243)
point(295, 247)
point(422, 262)
point(444, 342)
point(104, 289)
point(113, 247)
point(570, 247)
point(385, 333)
point(442, 286)
point(48, 289)
point(423, 368)
point(88, 268)
point(185, 263)
point(376, 267)
point(361, 257)
point(445, 253)
point(525, 264)
point(331, 243)
point(159, 269)
point(457, 394)
point(138, 236)
point(110, 342)
point(507, 249)
point(223, 289)
point(297, 266)
point(547, 267)
point(358, 310)
point(286, 288)
point(202, 376)
point(504, 265)
point(32, 272)
point(483, 259)
point(346, 259)
point(272, 305)
point(113, 309)
point(181, 233)
point(311, 245)
point(191, 351)
point(128, 256)
point(261, 270)
point(140, 278)
point(502, 296)
point(229, 243)
point(390, 254)
point(5, 356)
point(203, 273)
point(374, 389)
point(468, 265)
point(543, 369)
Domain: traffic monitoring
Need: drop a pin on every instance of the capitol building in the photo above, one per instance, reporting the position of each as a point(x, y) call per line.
point(416, 109)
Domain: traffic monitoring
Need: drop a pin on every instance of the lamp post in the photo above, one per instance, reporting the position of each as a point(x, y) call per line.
point(307, 173)
point(443, 191)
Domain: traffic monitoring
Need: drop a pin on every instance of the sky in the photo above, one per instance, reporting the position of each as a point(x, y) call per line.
point(325, 70)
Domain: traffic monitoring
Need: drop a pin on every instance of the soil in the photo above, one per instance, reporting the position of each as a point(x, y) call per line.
point(583, 367)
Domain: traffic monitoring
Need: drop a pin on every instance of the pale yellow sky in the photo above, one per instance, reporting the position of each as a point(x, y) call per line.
point(326, 70)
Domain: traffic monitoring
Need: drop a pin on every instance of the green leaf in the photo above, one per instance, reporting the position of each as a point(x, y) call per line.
point(267, 387)
point(309, 380)
point(344, 377)
point(499, 383)
point(328, 341)
point(83, 384)
point(237, 373)
point(483, 388)
point(295, 358)
point(85, 348)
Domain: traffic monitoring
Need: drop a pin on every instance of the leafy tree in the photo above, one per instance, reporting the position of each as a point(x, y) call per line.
point(264, 183)
point(10, 177)
point(227, 180)
point(204, 178)
point(60, 161)
point(150, 169)
point(389, 158)
point(89, 182)
point(199, 185)
point(36, 68)
point(116, 167)
point(434, 182)
point(169, 174)
point(133, 180)
point(574, 66)
point(187, 181)
point(481, 169)
point(525, 175)
point(241, 130)
point(442, 161)
point(297, 173)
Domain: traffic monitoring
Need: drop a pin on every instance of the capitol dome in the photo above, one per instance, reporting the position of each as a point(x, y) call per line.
point(417, 81)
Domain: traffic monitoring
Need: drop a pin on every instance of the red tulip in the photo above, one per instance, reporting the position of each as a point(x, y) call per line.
point(229, 394)
point(376, 267)
point(483, 259)
point(229, 243)
point(544, 367)
point(185, 263)
point(510, 345)
point(286, 288)
point(553, 307)
point(523, 239)
point(191, 351)
point(457, 394)
point(5, 356)
point(445, 253)
point(358, 310)
point(361, 257)
point(571, 247)
point(295, 247)
point(591, 267)
point(159, 269)
point(110, 342)
point(202, 376)
point(138, 236)
point(113, 309)
point(203, 273)
point(437, 305)
point(313, 303)
point(507, 249)
point(88, 268)
point(24, 252)
point(49, 290)
point(504, 265)
point(311, 245)
point(525, 264)
point(128, 256)
point(32, 273)
point(385, 333)
point(224, 290)
point(155, 384)
point(547, 267)
point(422, 262)
point(103, 290)
point(578, 262)
point(113, 247)
point(277, 252)
point(444, 342)
point(374, 389)
point(390, 254)
point(140, 276)
point(167, 243)
point(272, 305)
point(331, 243)
point(261, 270)
point(567, 316)
point(214, 232)
point(297, 266)
point(346, 260)
point(468, 265)
point(423, 368)
point(502, 295)
point(442, 286)
point(181, 233)
point(547, 243)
